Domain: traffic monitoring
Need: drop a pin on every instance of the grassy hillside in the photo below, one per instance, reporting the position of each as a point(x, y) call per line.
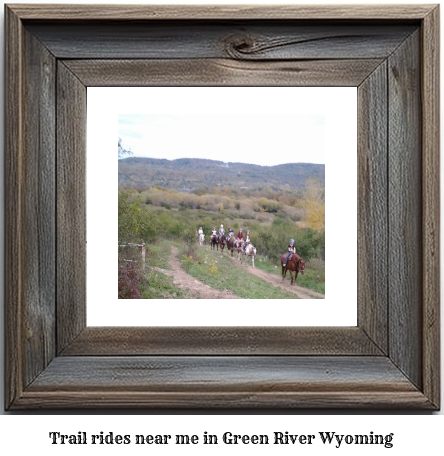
point(169, 200)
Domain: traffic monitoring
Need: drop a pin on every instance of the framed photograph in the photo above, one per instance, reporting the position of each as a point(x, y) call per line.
point(268, 180)
point(56, 56)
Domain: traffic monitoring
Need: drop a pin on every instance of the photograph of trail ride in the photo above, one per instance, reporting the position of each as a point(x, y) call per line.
point(196, 224)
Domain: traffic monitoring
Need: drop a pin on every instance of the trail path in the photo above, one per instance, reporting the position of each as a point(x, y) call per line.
point(197, 289)
point(276, 280)
point(303, 293)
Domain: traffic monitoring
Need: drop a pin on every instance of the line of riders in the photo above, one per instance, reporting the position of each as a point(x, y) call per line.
point(241, 242)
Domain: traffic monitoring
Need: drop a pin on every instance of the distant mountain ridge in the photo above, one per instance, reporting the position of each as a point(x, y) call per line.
point(189, 174)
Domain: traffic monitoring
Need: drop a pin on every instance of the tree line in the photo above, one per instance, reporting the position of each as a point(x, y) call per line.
point(141, 222)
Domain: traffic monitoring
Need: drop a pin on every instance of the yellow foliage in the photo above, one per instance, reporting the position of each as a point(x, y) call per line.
point(187, 260)
point(315, 205)
point(316, 214)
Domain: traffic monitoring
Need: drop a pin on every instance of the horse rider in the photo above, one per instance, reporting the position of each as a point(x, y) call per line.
point(240, 237)
point(221, 230)
point(214, 232)
point(291, 250)
point(200, 232)
point(246, 241)
point(230, 233)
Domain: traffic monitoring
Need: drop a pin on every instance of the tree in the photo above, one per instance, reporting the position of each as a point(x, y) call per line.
point(122, 152)
point(136, 223)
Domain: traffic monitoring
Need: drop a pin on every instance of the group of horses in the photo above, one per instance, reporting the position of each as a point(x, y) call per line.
point(243, 254)
point(217, 241)
point(295, 264)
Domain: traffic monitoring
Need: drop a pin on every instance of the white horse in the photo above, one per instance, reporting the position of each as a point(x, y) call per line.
point(201, 239)
point(250, 251)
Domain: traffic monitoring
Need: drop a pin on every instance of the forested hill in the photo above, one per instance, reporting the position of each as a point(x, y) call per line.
point(190, 174)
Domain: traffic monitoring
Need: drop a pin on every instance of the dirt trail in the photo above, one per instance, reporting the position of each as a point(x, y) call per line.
point(301, 292)
point(197, 289)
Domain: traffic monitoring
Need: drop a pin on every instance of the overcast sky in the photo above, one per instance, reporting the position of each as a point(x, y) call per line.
point(260, 139)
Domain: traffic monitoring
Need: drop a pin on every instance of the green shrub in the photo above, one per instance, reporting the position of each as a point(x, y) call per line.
point(135, 222)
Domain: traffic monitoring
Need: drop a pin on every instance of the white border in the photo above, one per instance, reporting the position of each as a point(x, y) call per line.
point(338, 105)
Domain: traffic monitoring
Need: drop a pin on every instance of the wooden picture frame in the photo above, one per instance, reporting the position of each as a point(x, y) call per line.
point(390, 360)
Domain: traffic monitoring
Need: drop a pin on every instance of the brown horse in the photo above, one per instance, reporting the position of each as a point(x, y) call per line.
point(213, 242)
point(230, 245)
point(222, 242)
point(294, 264)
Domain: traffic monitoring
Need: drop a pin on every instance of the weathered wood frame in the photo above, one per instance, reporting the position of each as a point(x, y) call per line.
point(390, 360)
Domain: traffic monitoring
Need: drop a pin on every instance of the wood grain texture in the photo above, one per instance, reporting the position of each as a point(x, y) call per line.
point(240, 382)
point(246, 401)
point(405, 210)
point(71, 206)
point(209, 373)
point(39, 207)
point(126, 341)
point(220, 12)
point(430, 94)
point(236, 40)
point(221, 72)
point(408, 377)
point(372, 207)
point(13, 210)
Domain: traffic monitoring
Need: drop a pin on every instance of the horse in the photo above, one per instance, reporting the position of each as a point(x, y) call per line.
point(213, 242)
point(294, 264)
point(230, 245)
point(250, 251)
point(201, 239)
point(222, 242)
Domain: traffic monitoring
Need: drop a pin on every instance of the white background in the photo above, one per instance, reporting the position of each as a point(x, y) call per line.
point(414, 433)
point(337, 104)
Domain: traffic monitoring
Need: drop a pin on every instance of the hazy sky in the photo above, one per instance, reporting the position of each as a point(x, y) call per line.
point(261, 139)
